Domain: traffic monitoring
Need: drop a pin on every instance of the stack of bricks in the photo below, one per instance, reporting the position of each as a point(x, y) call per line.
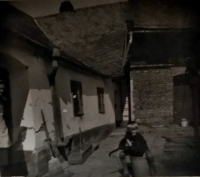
point(152, 94)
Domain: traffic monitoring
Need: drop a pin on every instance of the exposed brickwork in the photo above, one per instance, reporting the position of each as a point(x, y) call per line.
point(153, 95)
point(94, 36)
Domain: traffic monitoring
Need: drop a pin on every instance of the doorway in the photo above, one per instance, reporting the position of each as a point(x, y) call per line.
point(15, 76)
point(182, 99)
point(4, 75)
point(117, 109)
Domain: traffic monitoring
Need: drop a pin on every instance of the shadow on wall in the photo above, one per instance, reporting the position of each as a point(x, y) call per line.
point(89, 89)
point(88, 81)
point(17, 165)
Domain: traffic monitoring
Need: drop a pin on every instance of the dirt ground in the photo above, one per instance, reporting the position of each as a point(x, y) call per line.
point(175, 156)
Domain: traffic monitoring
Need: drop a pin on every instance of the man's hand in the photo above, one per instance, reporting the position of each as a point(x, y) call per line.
point(128, 142)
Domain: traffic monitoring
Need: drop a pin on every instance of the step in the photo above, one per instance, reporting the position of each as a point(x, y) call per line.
point(78, 156)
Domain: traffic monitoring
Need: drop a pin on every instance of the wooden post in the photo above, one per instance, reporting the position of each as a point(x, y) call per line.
point(129, 27)
point(129, 92)
point(80, 139)
point(195, 87)
point(56, 113)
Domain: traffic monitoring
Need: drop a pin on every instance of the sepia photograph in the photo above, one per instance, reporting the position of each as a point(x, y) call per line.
point(99, 88)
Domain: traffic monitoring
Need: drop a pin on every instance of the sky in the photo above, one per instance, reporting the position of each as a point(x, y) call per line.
point(40, 8)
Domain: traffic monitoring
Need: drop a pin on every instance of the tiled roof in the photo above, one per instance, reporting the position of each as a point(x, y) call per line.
point(14, 20)
point(94, 36)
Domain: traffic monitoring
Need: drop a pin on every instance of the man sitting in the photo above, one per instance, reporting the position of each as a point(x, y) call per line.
point(134, 144)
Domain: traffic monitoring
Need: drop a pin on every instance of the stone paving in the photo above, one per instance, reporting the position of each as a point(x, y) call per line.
point(99, 164)
point(178, 162)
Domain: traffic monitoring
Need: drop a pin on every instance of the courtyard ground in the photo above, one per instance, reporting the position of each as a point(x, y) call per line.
point(172, 147)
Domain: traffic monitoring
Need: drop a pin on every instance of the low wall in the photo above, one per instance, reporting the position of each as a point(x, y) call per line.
point(94, 135)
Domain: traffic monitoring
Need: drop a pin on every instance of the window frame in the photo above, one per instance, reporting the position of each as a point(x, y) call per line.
point(76, 89)
point(101, 100)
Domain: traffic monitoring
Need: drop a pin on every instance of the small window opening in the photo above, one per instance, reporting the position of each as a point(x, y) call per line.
point(76, 90)
point(101, 105)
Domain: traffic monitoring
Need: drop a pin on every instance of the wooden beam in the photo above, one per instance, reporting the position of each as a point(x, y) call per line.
point(163, 30)
point(151, 66)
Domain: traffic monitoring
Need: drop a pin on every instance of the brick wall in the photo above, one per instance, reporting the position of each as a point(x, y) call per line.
point(152, 92)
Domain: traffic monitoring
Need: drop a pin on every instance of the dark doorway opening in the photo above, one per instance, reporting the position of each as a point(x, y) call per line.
point(182, 99)
point(4, 75)
point(117, 109)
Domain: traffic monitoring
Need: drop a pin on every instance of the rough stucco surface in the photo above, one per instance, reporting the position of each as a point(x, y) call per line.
point(94, 36)
point(38, 100)
point(153, 95)
point(90, 119)
point(39, 97)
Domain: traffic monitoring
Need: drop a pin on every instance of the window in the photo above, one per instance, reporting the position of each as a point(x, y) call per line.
point(76, 89)
point(100, 93)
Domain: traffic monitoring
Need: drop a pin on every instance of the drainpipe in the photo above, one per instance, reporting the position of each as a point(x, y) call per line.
point(129, 78)
point(127, 48)
point(126, 64)
point(55, 98)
